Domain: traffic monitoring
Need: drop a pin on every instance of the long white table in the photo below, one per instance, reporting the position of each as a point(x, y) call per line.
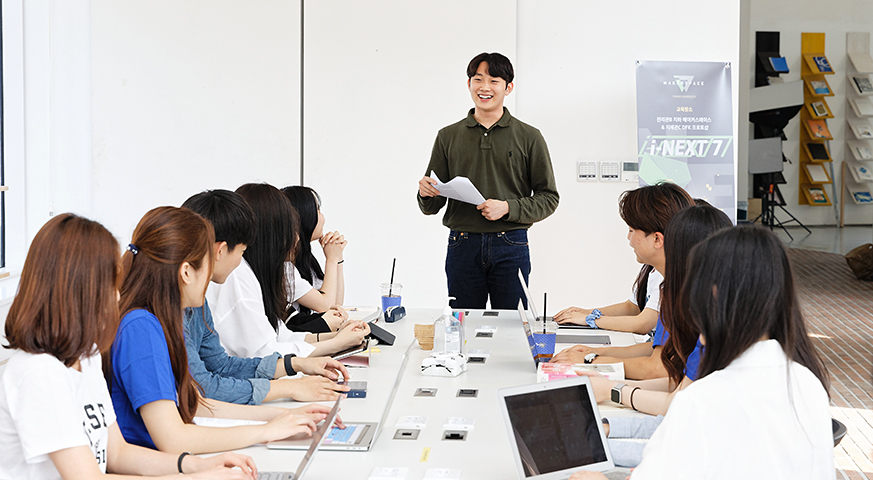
point(484, 454)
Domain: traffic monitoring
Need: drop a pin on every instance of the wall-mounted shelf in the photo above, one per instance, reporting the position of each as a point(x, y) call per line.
point(816, 164)
point(856, 173)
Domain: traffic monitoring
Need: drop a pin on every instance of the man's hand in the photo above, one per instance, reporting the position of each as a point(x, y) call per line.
point(493, 209)
point(426, 187)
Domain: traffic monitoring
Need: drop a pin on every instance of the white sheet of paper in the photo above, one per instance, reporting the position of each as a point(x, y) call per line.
point(458, 188)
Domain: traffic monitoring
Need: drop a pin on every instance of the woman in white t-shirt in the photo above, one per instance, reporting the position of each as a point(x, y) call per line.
point(760, 407)
point(56, 416)
point(314, 289)
point(647, 212)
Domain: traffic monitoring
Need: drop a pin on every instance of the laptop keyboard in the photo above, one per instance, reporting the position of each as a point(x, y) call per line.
point(275, 476)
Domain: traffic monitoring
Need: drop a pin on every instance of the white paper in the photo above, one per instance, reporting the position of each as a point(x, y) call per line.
point(458, 188)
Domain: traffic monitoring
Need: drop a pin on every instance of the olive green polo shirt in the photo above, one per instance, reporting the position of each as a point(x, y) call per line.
point(509, 161)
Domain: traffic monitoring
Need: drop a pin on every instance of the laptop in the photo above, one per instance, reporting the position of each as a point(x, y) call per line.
point(554, 429)
point(533, 309)
point(317, 438)
point(357, 436)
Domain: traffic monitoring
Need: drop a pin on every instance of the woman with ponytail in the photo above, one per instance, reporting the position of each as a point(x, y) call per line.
point(166, 269)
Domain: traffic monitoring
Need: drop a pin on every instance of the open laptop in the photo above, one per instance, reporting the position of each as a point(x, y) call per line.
point(554, 429)
point(357, 436)
point(316, 441)
point(533, 309)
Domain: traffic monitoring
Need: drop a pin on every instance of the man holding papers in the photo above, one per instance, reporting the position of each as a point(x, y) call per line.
point(508, 164)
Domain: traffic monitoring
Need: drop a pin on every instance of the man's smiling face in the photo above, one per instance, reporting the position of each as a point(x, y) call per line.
point(488, 92)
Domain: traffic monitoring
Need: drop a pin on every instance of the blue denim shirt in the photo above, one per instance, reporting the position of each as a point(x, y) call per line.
point(223, 377)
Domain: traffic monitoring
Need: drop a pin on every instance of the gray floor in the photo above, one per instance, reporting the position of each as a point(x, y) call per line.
point(827, 239)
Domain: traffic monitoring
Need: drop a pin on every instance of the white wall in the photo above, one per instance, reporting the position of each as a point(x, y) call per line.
point(381, 78)
point(576, 82)
point(839, 17)
point(190, 95)
point(203, 94)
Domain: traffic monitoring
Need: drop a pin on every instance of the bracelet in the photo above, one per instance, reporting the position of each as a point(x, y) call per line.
point(289, 370)
point(179, 462)
point(341, 261)
point(632, 398)
point(594, 315)
point(318, 336)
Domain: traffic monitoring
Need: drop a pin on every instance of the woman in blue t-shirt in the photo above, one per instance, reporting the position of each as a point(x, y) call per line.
point(166, 269)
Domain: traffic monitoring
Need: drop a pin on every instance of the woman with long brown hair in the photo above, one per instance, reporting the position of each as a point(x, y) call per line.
point(166, 269)
point(56, 417)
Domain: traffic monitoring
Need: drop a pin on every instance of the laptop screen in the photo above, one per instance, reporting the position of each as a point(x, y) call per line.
point(555, 429)
point(527, 296)
point(317, 439)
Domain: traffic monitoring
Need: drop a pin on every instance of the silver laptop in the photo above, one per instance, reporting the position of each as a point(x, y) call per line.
point(554, 429)
point(531, 306)
point(317, 439)
point(357, 436)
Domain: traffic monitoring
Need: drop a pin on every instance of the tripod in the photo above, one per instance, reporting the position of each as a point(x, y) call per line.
point(771, 200)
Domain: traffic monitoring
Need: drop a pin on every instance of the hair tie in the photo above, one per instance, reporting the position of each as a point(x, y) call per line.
point(132, 248)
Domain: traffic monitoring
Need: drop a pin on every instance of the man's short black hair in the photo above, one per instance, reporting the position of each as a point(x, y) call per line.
point(231, 217)
point(498, 66)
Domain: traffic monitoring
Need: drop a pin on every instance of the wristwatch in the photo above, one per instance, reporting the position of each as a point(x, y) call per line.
point(615, 394)
point(590, 357)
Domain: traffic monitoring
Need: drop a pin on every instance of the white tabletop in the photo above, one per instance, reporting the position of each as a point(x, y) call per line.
point(486, 451)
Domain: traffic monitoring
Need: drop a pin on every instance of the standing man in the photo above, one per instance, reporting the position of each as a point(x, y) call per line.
point(508, 161)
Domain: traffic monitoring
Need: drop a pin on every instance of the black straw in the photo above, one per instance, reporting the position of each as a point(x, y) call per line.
point(391, 285)
point(545, 309)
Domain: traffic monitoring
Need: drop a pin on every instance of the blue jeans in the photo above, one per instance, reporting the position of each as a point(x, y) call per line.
point(483, 265)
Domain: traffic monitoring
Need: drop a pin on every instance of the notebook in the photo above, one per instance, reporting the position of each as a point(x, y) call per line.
point(554, 429)
point(357, 436)
point(314, 443)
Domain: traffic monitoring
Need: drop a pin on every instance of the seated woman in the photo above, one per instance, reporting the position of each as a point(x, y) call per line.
point(759, 408)
point(676, 334)
point(251, 309)
point(164, 271)
point(647, 211)
point(314, 289)
point(56, 417)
